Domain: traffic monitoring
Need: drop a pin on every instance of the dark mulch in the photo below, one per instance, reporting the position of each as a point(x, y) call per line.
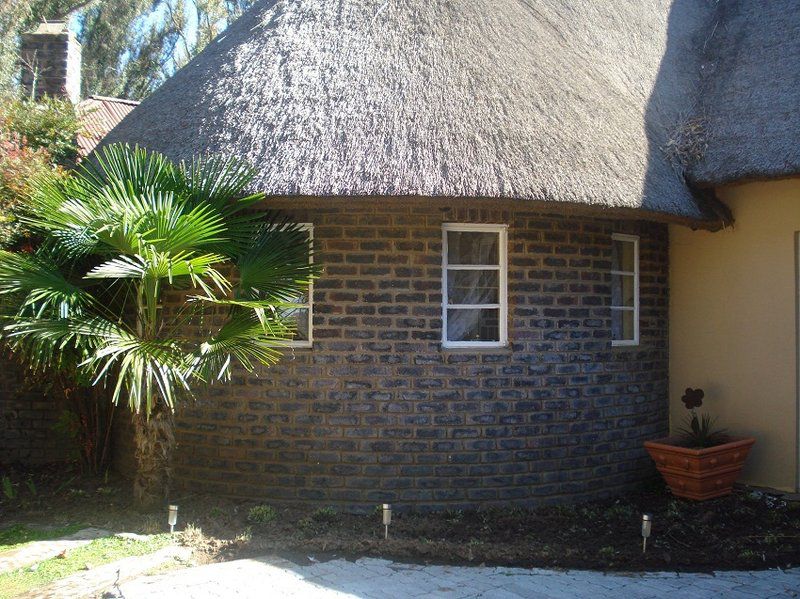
point(747, 530)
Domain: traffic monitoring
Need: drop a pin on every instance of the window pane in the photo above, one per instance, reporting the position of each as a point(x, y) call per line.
point(622, 257)
point(622, 290)
point(473, 287)
point(622, 325)
point(472, 247)
point(473, 324)
point(300, 318)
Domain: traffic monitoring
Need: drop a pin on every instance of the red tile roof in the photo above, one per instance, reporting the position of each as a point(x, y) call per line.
point(99, 116)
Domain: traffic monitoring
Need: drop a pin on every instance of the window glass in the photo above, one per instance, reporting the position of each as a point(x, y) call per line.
point(467, 324)
point(473, 285)
point(625, 290)
point(622, 324)
point(302, 315)
point(622, 290)
point(622, 257)
point(472, 247)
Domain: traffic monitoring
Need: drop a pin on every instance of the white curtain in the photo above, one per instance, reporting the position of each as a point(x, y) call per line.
point(460, 322)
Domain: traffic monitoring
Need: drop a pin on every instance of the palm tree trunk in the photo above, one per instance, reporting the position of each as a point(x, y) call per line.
point(154, 440)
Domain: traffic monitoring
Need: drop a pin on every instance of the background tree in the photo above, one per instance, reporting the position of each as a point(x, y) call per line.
point(129, 46)
point(17, 16)
point(121, 238)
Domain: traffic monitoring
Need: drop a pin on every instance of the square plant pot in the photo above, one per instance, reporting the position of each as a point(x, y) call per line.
point(700, 473)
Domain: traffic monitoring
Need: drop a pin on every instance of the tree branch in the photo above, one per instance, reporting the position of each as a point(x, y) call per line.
point(77, 6)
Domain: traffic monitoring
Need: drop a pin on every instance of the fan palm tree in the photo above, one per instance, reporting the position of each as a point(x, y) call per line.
point(119, 237)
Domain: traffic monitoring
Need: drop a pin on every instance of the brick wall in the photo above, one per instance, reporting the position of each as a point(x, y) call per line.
point(378, 411)
point(28, 413)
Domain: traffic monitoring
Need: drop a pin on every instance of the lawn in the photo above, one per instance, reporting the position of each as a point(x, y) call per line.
point(97, 552)
point(747, 530)
point(18, 535)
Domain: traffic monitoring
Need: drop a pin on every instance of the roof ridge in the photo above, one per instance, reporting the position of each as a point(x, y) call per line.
point(110, 99)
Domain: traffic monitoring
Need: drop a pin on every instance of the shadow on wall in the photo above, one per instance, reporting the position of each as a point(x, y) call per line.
point(28, 416)
point(673, 116)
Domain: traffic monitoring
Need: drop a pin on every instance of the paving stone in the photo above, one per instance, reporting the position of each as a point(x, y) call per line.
point(372, 578)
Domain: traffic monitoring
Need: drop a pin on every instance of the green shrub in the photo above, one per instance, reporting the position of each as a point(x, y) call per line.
point(454, 516)
point(8, 488)
point(306, 525)
point(20, 167)
point(325, 515)
point(606, 553)
point(262, 514)
point(37, 140)
point(49, 124)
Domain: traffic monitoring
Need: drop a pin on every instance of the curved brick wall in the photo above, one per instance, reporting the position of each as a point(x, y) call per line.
point(28, 414)
point(378, 411)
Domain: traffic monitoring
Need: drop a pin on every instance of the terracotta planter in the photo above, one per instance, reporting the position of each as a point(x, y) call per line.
point(700, 473)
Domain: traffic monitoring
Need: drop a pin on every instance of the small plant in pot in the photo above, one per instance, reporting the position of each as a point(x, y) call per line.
point(700, 462)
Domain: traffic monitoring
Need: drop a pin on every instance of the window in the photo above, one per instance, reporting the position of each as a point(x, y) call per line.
point(304, 313)
point(624, 290)
point(474, 296)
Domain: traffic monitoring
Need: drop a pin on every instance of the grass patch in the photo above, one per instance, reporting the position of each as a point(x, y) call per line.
point(96, 553)
point(19, 534)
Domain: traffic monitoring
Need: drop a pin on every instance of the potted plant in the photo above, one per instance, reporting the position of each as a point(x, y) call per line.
point(700, 462)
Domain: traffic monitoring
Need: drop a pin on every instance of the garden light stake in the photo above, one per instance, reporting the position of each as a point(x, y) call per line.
point(647, 523)
point(387, 518)
point(172, 517)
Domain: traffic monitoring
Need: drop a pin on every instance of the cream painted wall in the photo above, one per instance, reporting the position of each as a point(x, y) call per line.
point(733, 316)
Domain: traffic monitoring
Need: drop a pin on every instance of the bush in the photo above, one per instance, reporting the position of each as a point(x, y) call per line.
point(325, 515)
point(37, 141)
point(262, 514)
point(19, 168)
point(49, 124)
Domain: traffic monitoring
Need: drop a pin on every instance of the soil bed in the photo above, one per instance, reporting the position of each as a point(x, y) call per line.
point(748, 530)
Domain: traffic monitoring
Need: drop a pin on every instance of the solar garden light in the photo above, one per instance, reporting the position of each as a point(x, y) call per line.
point(387, 518)
point(647, 523)
point(172, 517)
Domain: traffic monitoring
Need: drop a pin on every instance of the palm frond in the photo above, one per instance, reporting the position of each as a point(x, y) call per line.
point(120, 232)
point(48, 343)
point(221, 182)
point(154, 266)
point(136, 168)
point(277, 263)
point(245, 338)
point(40, 285)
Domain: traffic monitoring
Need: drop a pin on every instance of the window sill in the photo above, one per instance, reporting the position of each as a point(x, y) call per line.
point(459, 348)
point(300, 345)
point(625, 344)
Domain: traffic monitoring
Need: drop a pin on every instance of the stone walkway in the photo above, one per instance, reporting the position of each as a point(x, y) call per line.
point(95, 581)
point(381, 579)
point(38, 551)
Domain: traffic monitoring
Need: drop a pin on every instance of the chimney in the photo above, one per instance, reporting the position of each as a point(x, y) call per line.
point(51, 62)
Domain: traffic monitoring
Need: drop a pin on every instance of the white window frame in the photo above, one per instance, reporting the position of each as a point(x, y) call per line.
point(307, 343)
point(502, 268)
point(635, 308)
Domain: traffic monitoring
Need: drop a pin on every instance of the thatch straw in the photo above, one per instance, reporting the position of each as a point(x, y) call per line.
point(751, 93)
point(550, 100)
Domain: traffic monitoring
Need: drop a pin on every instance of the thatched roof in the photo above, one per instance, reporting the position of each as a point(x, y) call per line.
point(550, 100)
point(751, 93)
